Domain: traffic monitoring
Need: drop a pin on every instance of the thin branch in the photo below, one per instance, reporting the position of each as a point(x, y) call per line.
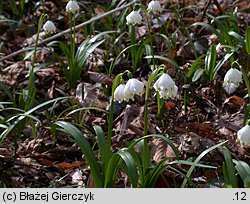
point(96, 18)
point(205, 9)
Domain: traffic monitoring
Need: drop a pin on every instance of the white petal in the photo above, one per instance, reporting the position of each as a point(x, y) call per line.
point(132, 87)
point(244, 135)
point(164, 83)
point(233, 76)
point(154, 6)
point(134, 18)
point(163, 94)
point(173, 92)
point(49, 27)
point(230, 87)
point(119, 93)
point(72, 6)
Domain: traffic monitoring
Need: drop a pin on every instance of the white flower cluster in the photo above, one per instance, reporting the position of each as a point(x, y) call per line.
point(72, 7)
point(125, 92)
point(166, 87)
point(243, 135)
point(232, 80)
point(49, 27)
point(135, 17)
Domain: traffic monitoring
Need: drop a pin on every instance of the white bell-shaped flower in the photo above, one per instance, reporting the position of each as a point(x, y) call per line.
point(243, 135)
point(164, 83)
point(232, 80)
point(72, 6)
point(166, 86)
point(119, 93)
point(134, 18)
point(154, 7)
point(132, 87)
point(49, 27)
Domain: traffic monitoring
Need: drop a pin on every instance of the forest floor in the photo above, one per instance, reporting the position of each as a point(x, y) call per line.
point(35, 156)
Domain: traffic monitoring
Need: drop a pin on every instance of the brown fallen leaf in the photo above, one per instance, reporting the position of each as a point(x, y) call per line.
point(45, 162)
point(169, 105)
point(160, 150)
point(241, 4)
point(68, 166)
point(235, 100)
point(202, 129)
point(100, 78)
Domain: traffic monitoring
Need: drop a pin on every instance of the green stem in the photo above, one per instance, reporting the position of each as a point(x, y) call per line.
point(150, 35)
point(133, 49)
point(245, 77)
point(110, 126)
point(160, 103)
point(40, 22)
point(146, 159)
point(185, 100)
point(146, 110)
point(72, 48)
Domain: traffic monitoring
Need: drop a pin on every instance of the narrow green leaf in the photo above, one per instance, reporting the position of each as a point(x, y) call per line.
point(244, 171)
point(211, 28)
point(195, 65)
point(101, 144)
point(157, 136)
point(112, 169)
point(190, 171)
point(248, 39)
point(238, 37)
point(83, 143)
point(230, 168)
point(165, 59)
point(221, 62)
point(130, 163)
point(198, 73)
point(20, 118)
point(210, 61)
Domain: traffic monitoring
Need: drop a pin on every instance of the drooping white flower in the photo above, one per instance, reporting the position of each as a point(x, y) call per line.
point(233, 75)
point(132, 87)
point(232, 80)
point(166, 87)
point(243, 135)
point(154, 6)
point(134, 18)
point(164, 83)
point(72, 6)
point(119, 93)
point(49, 27)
